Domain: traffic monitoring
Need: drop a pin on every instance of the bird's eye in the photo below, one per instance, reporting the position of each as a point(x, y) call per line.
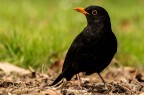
point(94, 12)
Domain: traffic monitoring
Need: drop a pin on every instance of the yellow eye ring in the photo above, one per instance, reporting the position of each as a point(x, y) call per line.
point(94, 12)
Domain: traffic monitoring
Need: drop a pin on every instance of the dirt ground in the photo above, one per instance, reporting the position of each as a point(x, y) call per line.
point(120, 80)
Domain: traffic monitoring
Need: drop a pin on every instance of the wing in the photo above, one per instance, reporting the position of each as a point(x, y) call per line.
point(82, 45)
point(73, 51)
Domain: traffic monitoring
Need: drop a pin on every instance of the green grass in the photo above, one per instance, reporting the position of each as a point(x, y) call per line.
point(37, 32)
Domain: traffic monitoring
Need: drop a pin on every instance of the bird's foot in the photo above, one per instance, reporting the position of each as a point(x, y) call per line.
point(77, 84)
point(106, 86)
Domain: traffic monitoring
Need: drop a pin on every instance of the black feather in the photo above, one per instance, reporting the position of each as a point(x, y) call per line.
point(93, 49)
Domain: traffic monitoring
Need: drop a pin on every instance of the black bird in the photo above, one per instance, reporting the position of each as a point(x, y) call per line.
point(93, 49)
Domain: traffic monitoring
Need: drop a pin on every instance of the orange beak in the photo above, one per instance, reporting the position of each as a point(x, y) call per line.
point(82, 10)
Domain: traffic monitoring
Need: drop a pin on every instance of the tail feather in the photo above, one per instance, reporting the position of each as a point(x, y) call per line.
point(67, 73)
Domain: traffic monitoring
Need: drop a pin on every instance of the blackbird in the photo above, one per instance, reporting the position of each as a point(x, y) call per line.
point(93, 49)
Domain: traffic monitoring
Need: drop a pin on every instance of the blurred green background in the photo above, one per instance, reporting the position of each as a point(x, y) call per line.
point(37, 33)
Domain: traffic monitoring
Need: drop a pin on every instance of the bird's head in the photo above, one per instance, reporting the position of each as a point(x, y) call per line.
point(94, 14)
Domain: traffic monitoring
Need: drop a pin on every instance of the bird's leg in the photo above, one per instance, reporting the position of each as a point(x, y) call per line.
point(102, 80)
point(80, 82)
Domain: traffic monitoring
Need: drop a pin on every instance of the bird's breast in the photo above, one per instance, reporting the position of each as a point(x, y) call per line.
point(91, 36)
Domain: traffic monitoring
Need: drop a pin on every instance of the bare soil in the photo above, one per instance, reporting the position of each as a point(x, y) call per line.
point(120, 80)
